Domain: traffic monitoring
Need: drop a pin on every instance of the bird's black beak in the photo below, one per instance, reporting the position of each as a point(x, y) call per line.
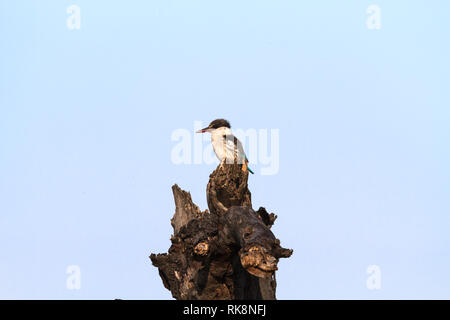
point(203, 130)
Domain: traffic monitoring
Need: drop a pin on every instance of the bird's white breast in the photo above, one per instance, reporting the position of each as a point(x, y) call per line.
point(218, 142)
point(226, 148)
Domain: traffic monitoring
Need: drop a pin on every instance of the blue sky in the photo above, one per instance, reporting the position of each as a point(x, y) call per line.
point(86, 118)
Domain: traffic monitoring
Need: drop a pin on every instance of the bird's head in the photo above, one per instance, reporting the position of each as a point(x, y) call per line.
point(216, 124)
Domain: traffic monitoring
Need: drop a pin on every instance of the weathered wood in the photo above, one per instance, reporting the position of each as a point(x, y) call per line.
point(185, 209)
point(227, 252)
point(227, 187)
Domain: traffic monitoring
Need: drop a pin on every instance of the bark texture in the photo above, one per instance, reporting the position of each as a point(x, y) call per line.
point(228, 252)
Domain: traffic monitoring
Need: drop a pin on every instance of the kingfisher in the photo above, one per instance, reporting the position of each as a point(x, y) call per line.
point(227, 147)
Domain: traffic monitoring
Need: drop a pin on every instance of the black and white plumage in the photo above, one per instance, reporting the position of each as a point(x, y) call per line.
point(227, 147)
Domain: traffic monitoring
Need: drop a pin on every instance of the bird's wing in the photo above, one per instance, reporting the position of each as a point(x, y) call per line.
point(234, 148)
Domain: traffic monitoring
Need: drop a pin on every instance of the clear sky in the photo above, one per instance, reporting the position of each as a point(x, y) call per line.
point(87, 116)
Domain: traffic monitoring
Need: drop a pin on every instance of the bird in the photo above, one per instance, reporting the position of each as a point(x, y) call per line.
point(227, 147)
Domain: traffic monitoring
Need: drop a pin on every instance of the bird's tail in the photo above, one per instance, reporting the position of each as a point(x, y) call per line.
point(245, 166)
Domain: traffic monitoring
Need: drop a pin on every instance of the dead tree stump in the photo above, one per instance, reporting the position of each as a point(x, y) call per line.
point(227, 252)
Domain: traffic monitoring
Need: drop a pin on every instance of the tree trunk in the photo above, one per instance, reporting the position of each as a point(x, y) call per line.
point(227, 252)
